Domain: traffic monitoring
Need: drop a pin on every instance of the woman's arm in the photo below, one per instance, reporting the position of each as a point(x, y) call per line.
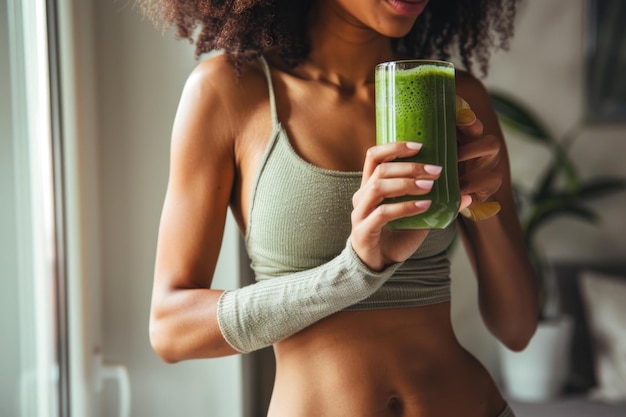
point(183, 321)
point(506, 282)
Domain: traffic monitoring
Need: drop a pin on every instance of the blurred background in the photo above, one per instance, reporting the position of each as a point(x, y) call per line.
point(79, 219)
point(545, 70)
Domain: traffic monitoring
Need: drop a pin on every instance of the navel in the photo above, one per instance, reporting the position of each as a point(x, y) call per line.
point(395, 406)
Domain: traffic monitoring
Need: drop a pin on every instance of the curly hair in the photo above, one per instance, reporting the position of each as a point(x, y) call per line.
point(243, 29)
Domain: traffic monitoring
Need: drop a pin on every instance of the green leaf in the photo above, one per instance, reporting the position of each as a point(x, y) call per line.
point(516, 116)
point(561, 164)
point(563, 205)
point(569, 169)
point(601, 187)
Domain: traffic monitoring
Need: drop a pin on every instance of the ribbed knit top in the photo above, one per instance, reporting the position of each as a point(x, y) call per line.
point(300, 218)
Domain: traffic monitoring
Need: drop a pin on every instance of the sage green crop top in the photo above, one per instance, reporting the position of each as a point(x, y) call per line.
point(300, 218)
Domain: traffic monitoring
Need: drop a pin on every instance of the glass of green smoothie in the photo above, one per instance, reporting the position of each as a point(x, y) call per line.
point(415, 102)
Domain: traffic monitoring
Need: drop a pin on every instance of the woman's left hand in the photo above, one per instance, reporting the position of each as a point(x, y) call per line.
point(478, 155)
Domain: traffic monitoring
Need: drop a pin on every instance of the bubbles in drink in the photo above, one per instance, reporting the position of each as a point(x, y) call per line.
point(416, 104)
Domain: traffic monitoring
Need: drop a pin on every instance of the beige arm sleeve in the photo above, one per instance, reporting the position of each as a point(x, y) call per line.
point(263, 313)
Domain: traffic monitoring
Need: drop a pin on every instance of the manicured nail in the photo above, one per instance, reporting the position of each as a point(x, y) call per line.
point(465, 117)
point(423, 204)
point(461, 104)
point(424, 184)
point(433, 169)
point(414, 145)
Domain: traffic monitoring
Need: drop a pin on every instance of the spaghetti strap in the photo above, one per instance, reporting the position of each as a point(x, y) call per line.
point(270, 86)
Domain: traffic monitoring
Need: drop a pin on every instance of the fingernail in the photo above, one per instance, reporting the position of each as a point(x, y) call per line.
point(413, 145)
point(424, 184)
point(461, 104)
point(423, 204)
point(433, 169)
point(465, 117)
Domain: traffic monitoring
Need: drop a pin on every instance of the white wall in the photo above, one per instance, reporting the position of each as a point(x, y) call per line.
point(544, 68)
point(139, 77)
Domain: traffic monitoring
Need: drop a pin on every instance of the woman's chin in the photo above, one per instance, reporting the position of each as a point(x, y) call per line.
point(395, 30)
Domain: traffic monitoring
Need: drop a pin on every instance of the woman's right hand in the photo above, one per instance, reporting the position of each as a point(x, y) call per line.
point(382, 178)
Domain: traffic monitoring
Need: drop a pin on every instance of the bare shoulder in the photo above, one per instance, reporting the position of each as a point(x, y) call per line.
point(217, 102)
point(220, 73)
point(238, 89)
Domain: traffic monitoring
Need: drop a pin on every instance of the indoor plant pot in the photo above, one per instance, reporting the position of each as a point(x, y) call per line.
point(539, 372)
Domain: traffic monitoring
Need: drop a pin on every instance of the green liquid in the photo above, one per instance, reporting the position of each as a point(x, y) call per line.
point(418, 105)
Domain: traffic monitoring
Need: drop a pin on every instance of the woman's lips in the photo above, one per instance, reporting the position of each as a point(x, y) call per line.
point(408, 7)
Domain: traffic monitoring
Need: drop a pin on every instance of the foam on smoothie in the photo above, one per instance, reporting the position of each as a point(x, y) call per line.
point(415, 91)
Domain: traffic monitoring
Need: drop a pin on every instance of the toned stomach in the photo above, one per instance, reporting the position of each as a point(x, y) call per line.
point(392, 362)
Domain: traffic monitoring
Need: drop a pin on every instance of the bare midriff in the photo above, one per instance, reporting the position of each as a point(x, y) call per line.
point(379, 363)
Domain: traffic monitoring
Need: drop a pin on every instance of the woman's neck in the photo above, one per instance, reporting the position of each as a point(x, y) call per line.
point(343, 51)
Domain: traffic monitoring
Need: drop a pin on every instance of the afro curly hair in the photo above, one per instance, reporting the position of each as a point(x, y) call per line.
point(243, 29)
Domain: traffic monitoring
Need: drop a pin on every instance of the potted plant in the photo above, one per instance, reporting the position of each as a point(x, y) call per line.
point(540, 371)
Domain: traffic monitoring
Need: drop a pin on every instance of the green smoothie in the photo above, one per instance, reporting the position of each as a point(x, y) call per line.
point(415, 101)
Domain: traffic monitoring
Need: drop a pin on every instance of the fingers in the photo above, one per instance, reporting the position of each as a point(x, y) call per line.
point(481, 188)
point(370, 197)
point(377, 155)
point(487, 146)
point(466, 120)
point(384, 213)
point(394, 179)
point(468, 124)
point(478, 154)
point(388, 178)
point(479, 161)
point(375, 192)
point(385, 177)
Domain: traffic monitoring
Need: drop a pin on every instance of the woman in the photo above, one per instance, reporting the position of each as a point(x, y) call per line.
point(280, 128)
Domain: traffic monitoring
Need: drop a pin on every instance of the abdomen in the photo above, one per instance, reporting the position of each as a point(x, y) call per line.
point(392, 362)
